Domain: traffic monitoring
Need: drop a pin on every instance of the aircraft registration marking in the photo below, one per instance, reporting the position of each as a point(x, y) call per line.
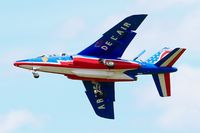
point(119, 32)
point(97, 89)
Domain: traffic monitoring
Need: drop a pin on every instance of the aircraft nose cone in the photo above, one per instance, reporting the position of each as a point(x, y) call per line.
point(15, 64)
point(19, 62)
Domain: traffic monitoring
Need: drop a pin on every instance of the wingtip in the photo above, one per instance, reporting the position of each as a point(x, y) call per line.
point(105, 116)
point(144, 15)
point(181, 48)
point(184, 49)
point(139, 15)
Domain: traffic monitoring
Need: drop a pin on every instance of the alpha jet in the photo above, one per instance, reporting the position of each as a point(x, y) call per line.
point(100, 65)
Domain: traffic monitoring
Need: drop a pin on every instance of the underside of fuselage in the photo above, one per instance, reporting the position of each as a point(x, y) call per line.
point(83, 74)
point(83, 68)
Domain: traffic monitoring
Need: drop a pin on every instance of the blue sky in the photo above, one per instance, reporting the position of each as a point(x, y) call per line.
point(53, 103)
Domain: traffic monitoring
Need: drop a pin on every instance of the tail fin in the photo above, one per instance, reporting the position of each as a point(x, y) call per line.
point(171, 58)
point(158, 56)
point(162, 80)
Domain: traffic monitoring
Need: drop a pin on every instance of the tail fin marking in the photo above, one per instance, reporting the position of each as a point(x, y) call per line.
point(171, 58)
point(162, 82)
point(158, 56)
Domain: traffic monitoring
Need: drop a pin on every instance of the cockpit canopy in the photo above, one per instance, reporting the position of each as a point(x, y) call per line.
point(54, 55)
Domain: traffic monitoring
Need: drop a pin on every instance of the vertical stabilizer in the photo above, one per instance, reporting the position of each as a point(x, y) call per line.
point(171, 58)
point(162, 80)
point(158, 56)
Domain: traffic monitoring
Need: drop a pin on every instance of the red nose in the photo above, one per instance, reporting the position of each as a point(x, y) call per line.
point(16, 64)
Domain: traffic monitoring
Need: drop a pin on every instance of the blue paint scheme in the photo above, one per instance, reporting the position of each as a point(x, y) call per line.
point(102, 103)
point(51, 59)
point(114, 42)
point(147, 68)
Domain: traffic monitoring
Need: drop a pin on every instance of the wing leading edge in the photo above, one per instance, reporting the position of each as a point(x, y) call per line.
point(114, 42)
point(101, 96)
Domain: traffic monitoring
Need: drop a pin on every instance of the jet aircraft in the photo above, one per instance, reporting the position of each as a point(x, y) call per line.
point(100, 65)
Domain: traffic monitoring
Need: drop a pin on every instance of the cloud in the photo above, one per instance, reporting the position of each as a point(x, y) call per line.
point(182, 109)
point(14, 120)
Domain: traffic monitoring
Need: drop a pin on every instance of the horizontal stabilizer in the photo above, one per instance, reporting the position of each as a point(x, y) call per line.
point(162, 82)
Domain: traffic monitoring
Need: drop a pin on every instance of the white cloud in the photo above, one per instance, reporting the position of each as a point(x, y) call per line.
point(17, 119)
point(182, 109)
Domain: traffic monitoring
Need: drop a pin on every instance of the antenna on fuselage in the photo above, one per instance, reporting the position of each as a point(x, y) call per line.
point(140, 54)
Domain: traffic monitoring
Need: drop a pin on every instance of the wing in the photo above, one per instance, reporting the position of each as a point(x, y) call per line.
point(101, 96)
point(114, 42)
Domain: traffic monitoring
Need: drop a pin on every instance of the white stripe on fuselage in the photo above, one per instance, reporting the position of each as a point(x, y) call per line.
point(87, 73)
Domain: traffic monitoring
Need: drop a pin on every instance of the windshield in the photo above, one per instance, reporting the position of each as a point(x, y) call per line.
point(54, 55)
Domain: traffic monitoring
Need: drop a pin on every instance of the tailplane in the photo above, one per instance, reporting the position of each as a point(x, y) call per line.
point(165, 58)
point(162, 82)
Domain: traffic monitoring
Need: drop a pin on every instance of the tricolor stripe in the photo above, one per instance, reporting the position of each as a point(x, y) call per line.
point(171, 58)
point(162, 82)
point(176, 57)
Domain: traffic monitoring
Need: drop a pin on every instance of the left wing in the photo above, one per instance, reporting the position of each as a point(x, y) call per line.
point(101, 96)
point(114, 42)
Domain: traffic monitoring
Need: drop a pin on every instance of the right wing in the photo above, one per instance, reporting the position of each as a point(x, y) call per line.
point(101, 96)
point(114, 42)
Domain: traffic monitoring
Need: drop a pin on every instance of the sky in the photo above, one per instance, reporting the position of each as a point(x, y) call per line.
point(53, 103)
